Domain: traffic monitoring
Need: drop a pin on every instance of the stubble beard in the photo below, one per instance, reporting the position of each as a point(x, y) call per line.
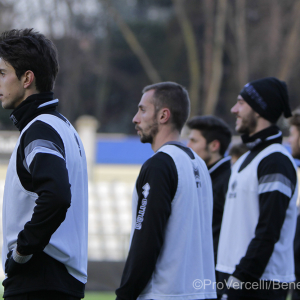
point(207, 158)
point(152, 132)
point(148, 138)
point(248, 124)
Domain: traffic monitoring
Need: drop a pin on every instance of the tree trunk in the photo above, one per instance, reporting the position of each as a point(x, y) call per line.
point(217, 68)
point(133, 43)
point(192, 54)
point(291, 49)
point(241, 38)
point(208, 44)
point(275, 35)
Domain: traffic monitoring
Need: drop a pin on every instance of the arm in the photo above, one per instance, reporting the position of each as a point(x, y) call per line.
point(161, 175)
point(297, 250)
point(42, 169)
point(277, 183)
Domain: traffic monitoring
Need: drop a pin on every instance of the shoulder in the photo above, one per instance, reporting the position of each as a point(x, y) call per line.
point(39, 127)
point(277, 163)
point(41, 131)
point(158, 168)
point(159, 161)
point(160, 173)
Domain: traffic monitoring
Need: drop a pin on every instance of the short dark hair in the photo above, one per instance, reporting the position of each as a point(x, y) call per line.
point(212, 128)
point(295, 118)
point(173, 96)
point(26, 49)
point(238, 150)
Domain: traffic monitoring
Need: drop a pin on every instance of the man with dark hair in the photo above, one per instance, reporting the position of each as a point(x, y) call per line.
point(45, 198)
point(209, 138)
point(171, 249)
point(294, 141)
point(259, 219)
point(236, 151)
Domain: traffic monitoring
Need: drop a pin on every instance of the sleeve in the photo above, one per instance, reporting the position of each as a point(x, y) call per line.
point(42, 169)
point(219, 196)
point(156, 187)
point(276, 185)
point(297, 250)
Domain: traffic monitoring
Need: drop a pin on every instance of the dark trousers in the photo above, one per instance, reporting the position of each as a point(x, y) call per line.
point(232, 295)
point(296, 294)
point(42, 295)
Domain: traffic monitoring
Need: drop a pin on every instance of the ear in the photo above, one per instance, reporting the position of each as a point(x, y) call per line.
point(28, 79)
point(214, 146)
point(164, 115)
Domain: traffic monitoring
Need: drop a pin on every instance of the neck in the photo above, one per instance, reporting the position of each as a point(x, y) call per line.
point(164, 136)
point(214, 158)
point(261, 125)
point(28, 92)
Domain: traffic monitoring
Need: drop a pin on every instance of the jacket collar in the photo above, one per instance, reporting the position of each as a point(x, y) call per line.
point(218, 164)
point(269, 135)
point(31, 107)
point(218, 167)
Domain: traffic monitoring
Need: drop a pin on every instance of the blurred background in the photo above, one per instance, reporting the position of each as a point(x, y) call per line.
point(110, 49)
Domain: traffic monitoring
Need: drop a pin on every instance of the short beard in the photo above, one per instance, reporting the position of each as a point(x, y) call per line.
point(248, 124)
point(153, 130)
point(208, 157)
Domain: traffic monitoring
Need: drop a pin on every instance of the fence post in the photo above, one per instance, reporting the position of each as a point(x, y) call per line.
point(87, 129)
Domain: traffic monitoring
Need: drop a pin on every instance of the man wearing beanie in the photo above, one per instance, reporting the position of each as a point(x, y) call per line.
point(259, 220)
point(294, 141)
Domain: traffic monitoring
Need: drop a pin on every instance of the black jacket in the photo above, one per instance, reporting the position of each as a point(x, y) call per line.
point(47, 176)
point(220, 174)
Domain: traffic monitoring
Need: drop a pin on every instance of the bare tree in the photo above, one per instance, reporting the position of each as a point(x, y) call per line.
point(208, 44)
point(275, 35)
point(291, 46)
point(241, 38)
point(192, 53)
point(217, 62)
point(133, 43)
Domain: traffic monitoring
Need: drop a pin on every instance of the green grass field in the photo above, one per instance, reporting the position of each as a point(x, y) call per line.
point(100, 296)
point(107, 296)
point(111, 296)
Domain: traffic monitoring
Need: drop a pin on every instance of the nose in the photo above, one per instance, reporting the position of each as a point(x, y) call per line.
point(234, 109)
point(189, 144)
point(135, 119)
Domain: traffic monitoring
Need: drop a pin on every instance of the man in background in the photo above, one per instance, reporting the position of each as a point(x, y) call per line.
point(294, 141)
point(45, 205)
point(259, 220)
point(209, 138)
point(171, 249)
point(236, 151)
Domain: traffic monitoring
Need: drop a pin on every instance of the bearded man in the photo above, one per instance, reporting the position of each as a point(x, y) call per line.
point(294, 141)
point(171, 247)
point(259, 220)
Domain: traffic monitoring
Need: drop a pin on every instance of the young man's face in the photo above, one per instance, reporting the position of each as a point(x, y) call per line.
point(145, 119)
point(294, 140)
point(246, 118)
point(12, 92)
point(198, 143)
